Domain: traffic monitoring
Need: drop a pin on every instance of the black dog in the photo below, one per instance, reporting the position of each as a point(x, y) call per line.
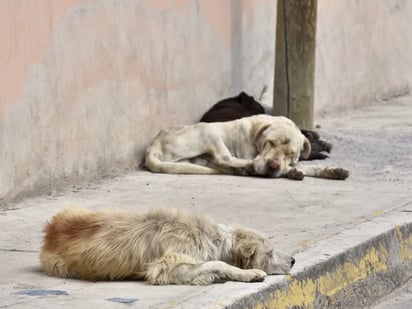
point(245, 105)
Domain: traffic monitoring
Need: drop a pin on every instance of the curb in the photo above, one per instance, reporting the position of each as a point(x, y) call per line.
point(341, 274)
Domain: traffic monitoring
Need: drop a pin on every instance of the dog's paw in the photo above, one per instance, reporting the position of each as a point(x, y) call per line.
point(249, 170)
point(326, 146)
point(320, 146)
point(253, 275)
point(295, 174)
point(335, 173)
point(317, 156)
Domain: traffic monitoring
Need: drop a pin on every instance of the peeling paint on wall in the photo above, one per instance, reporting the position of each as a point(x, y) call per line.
point(106, 76)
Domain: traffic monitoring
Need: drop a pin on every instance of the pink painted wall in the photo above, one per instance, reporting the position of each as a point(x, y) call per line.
point(25, 31)
point(85, 84)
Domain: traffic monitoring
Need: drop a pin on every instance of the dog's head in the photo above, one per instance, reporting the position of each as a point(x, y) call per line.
point(253, 250)
point(279, 143)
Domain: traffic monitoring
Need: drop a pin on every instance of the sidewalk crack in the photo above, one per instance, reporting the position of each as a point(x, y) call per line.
point(19, 250)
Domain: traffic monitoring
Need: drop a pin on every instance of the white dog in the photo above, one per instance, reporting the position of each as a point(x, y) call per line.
point(260, 145)
point(162, 246)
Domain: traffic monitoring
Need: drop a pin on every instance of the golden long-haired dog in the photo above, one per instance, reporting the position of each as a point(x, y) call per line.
point(163, 246)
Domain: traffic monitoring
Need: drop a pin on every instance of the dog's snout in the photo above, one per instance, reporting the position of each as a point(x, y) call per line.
point(272, 164)
point(292, 262)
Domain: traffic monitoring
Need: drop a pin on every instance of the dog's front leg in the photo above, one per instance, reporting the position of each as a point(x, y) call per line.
point(325, 172)
point(182, 269)
point(218, 271)
point(227, 160)
point(224, 159)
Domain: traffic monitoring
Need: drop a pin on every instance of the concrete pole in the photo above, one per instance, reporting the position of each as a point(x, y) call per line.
point(295, 61)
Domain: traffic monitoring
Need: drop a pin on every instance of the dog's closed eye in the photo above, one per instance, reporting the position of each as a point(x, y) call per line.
point(271, 143)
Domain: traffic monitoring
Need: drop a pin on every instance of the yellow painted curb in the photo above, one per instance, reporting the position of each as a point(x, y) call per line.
point(304, 292)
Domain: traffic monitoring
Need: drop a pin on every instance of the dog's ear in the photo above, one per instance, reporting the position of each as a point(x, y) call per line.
point(243, 253)
point(258, 131)
point(247, 248)
point(305, 152)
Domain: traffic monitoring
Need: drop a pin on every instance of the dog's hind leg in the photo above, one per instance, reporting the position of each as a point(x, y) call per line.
point(182, 269)
point(54, 265)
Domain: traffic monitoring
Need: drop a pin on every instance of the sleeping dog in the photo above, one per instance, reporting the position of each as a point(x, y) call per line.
point(259, 145)
point(244, 105)
point(163, 246)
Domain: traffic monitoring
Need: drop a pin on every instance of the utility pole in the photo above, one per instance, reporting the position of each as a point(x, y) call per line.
point(295, 61)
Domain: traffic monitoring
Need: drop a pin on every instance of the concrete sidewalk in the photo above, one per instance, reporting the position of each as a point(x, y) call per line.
point(352, 239)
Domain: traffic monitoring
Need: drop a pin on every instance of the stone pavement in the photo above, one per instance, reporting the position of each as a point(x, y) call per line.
point(352, 239)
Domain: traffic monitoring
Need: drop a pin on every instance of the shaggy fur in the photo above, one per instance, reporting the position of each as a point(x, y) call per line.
point(260, 145)
point(163, 246)
point(245, 105)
